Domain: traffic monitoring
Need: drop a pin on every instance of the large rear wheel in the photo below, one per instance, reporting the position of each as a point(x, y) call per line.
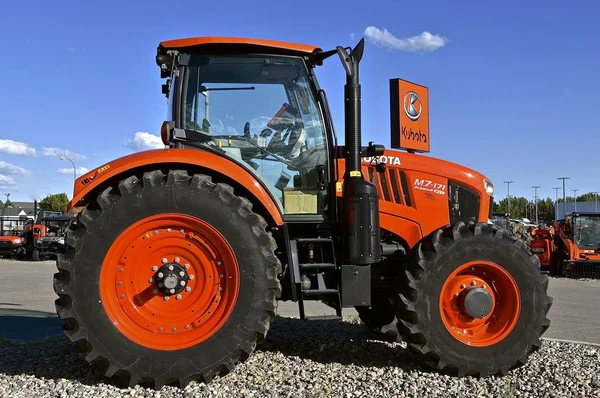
point(473, 301)
point(167, 279)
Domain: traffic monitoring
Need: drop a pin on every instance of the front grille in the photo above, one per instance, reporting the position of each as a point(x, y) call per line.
point(5, 244)
point(463, 203)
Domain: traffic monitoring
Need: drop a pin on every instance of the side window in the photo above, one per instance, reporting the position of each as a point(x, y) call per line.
point(269, 120)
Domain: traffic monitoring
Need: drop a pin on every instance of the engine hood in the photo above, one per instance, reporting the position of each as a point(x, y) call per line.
point(431, 165)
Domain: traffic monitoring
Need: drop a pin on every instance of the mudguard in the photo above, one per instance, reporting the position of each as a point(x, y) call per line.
point(174, 157)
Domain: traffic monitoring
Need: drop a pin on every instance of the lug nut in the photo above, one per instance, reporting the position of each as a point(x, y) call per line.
point(121, 296)
point(155, 291)
point(155, 232)
point(160, 275)
point(473, 283)
point(191, 277)
point(221, 276)
point(164, 260)
point(173, 330)
point(483, 286)
point(170, 268)
point(160, 329)
point(220, 289)
point(168, 229)
point(182, 283)
point(181, 273)
point(155, 268)
point(178, 297)
point(219, 263)
point(456, 295)
point(181, 230)
point(166, 298)
point(176, 259)
point(120, 269)
point(172, 291)
point(188, 289)
point(151, 280)
point(161, 284)
point(119, 283)
point(461, 286)
point(187, 326)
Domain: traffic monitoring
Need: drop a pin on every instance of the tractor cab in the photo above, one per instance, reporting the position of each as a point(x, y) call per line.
point(263, 111)
point(584, 228)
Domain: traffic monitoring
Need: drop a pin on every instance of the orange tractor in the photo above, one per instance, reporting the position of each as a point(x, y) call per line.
point(177, 257)
point(571, 248)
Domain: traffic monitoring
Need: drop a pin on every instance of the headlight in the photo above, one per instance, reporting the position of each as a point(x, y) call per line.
point(17, 240)
point(489, 187)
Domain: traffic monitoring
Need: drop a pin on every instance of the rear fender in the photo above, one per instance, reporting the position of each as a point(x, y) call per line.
point(92, 182)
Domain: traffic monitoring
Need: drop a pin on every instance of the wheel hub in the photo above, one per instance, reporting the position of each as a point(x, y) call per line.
point(478, 302)
point(171, 278)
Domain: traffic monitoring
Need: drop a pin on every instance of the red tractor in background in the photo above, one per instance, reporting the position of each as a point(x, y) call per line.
point(571, 248)
point(177, 257)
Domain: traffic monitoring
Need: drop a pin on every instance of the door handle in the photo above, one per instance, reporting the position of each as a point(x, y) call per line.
point(321, 176)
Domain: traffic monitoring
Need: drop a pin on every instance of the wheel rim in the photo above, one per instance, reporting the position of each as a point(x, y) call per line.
point(184, 249)
point(488, 289)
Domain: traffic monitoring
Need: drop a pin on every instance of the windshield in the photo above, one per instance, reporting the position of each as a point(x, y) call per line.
point(261, 111)
point(587, 231)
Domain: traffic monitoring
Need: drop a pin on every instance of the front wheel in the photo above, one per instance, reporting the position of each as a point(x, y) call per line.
point(166, 279)
point(473, 301)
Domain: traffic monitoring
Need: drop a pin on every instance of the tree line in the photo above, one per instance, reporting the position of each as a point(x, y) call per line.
point(522, 207)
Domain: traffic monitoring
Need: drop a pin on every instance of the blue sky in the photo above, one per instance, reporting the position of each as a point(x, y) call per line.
point(513, 89)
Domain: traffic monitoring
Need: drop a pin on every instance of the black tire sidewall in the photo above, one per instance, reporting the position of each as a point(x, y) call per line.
point(532, 312)
point(239, 330)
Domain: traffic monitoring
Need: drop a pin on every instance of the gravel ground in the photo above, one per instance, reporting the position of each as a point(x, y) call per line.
point(310, 359)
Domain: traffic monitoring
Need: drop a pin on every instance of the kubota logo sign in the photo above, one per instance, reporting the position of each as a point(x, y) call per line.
point(413, 107)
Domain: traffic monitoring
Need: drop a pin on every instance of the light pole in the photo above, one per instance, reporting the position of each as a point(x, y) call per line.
point(535, 197)
point(508, 193)
point(74, 170)
point(575, 198)
point(556, 189)
point(564, 194)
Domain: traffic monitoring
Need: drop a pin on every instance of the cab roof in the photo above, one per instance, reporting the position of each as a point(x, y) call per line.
point(211, 43)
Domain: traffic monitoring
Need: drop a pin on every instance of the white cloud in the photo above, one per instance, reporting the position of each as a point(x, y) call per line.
point(69, 170)
point(12, 169)
point(57, 152)
point(71, 50)
point(6, 181)
point(423, 42)
point(16, 148)
point(142, 141)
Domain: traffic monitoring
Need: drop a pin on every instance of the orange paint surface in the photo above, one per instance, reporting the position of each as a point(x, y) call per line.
point(175, 156)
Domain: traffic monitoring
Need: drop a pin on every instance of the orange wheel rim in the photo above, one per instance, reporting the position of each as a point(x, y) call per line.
point(480, 303)
point(169, 281)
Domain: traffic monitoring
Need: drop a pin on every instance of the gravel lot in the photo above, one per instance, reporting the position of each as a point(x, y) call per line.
point(302, 359)
point(321, 359)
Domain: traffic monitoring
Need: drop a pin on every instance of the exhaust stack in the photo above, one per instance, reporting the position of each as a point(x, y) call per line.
point(362, 242)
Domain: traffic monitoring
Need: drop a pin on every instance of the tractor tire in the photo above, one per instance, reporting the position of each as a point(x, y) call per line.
point(216, 262)
point(473, 301)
